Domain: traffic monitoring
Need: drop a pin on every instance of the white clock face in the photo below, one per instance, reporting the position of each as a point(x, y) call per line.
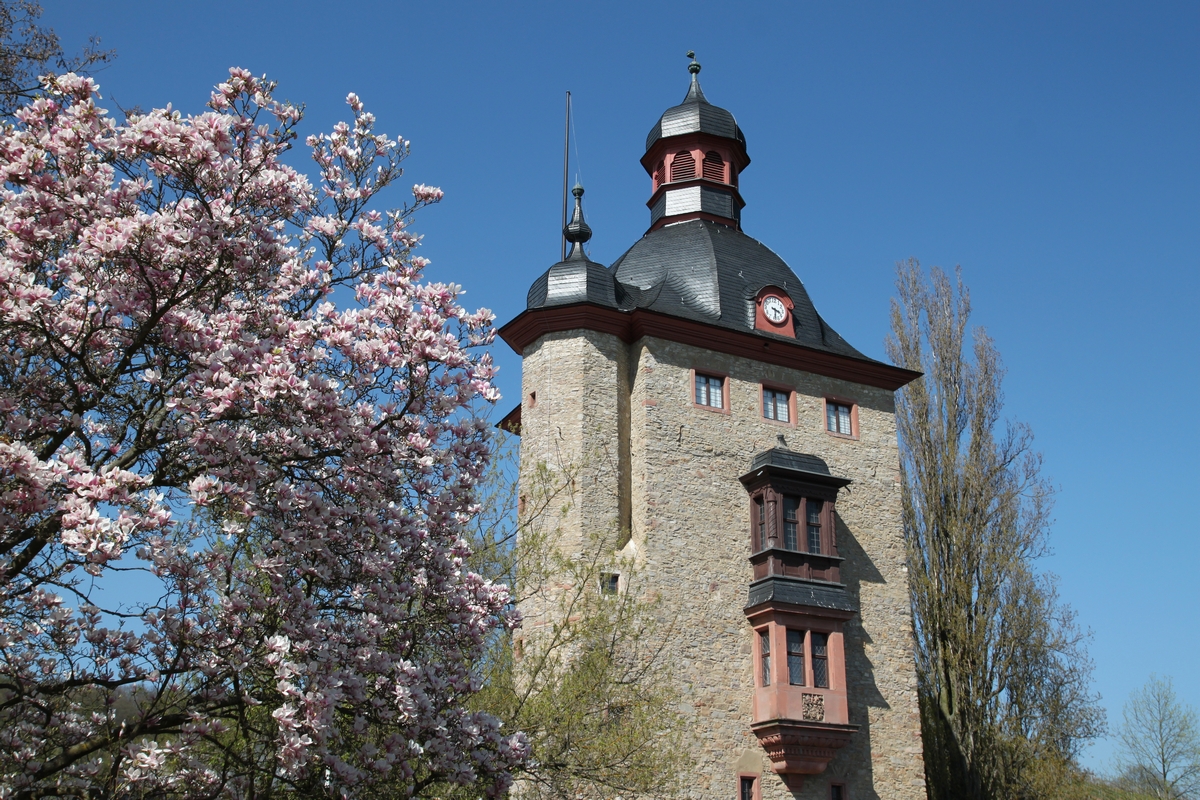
point(775, 310)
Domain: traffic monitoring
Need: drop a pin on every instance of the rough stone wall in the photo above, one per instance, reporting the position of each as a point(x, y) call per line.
point(690, 529)
point(581, 382)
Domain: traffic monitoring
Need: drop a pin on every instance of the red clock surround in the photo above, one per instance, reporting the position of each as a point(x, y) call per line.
point(784, 327)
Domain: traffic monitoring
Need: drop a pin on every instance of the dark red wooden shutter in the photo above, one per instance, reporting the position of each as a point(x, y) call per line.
point(683, 167)
point(714, 166)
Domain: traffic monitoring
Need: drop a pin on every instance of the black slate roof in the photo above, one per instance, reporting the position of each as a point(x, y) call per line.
point(802, 466)
point(695, 115)
point(790, 459)
point(712, 273)
point(576, 280)
point(698, 270)
point(799, 593)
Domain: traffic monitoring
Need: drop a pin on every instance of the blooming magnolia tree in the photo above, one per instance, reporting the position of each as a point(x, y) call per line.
point(232, 387)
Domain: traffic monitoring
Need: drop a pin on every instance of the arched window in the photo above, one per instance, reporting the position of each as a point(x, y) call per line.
point(714, 166)
point(683, 167)
point(660, 174)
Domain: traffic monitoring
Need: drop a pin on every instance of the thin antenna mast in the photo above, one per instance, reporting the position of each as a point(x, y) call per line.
point(566, 158)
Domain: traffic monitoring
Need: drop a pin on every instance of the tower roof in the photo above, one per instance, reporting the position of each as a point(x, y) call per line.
point(575, 279)
point(694, 277)
point(695, 115)
point(712, 273)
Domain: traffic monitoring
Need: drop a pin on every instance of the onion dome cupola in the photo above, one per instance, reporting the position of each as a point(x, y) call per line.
point(694, 154)
point(576, 279)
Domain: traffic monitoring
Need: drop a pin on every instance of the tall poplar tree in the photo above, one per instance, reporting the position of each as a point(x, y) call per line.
point(1003, 673)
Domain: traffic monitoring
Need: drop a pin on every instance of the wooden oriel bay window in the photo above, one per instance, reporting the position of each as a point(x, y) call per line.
point(797, 609)
point(793, 532)
point(801, 711)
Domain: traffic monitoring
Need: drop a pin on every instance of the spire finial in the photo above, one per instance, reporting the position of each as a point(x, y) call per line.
point(693, 67)
point(577, 231)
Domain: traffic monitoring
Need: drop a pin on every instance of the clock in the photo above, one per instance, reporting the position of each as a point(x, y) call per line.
point(774, 309)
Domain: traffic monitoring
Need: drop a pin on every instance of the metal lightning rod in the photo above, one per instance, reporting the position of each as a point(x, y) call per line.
point(566, 157)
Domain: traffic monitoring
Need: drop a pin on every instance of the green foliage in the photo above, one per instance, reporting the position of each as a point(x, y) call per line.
point(584, 677)
point(1002, 669)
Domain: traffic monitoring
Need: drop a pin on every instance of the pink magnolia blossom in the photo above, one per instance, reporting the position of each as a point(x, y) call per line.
point(238, 384)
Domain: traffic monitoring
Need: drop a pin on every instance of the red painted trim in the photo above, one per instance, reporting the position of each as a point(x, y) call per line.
point(511, 421)
point(733, 151)
point(785, 328)
point(631, 326)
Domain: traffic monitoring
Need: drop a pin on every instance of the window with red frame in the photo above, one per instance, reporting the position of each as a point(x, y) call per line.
point(683, 168)
point(764, 652)
point(776, 405)
point(710, 391)
point(795, 657)
point(820, 660)
point(838, 419)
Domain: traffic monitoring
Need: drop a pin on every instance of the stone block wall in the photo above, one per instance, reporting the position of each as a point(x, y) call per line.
point(580, 381)
point(675, 474)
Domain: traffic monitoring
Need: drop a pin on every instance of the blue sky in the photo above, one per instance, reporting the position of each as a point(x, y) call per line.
point(1051, 149)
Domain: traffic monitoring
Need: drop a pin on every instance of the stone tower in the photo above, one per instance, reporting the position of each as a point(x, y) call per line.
point(750, 453)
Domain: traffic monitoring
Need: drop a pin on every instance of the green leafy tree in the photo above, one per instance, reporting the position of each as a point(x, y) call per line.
point(586, 680)
point(1002, 669)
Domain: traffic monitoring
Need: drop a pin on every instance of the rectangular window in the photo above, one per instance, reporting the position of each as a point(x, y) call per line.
point(609, 581)
point(764, 650)
point(837, 418)
point(837, 791)
point(775, 405)
point(791, 510)
point(795, 656)
point(709, 391)
point(748, 789)
point(813, 513)
point(820, 657)
point(760, 524)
